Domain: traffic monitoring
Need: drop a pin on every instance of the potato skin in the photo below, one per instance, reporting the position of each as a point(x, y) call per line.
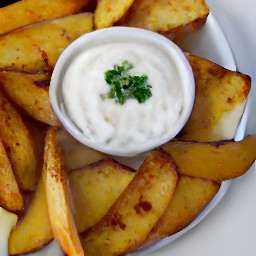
point(171, 17)
point(10, 196)
point(178, 33)
point(136, 211)
point(19, 144)
point(58, 197)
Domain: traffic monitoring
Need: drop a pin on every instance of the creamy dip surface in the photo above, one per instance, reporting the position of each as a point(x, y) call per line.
point(132, 125)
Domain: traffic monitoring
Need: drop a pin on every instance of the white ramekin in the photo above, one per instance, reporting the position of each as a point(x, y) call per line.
point(113, 34)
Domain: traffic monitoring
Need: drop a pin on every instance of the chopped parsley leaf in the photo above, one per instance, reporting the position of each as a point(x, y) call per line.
point(124, 86)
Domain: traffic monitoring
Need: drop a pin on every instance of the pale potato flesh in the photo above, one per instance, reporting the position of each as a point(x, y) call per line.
point(7, 221)
point(190, 198)
point(33, 231)
point(75, 154)
point(214, 161)
point(95, 188)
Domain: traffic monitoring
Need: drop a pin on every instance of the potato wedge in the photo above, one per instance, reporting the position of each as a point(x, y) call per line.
point(220, 99)
point(166, 16)
point(108, 12)
point(75, 154)
point(58, 201)
point(19, 145)
point(95, 188)
point(10, 196)
point(33, 231)
point(7, 221)
point(27, 12)
point(136, 211)
point(31, 93)
point(214, 161)
point(36, 48)
point(190, 197)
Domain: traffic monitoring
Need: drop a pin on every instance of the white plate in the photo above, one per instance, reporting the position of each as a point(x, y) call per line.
point(218, 235)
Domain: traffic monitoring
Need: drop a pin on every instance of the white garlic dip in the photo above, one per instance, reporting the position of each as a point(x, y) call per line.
point(105, 124)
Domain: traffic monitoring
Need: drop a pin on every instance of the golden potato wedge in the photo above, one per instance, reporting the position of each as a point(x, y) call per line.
point(31, 93)
point(75, 154)
point(33, 231)
point(108, 12)
point(27, 12)
point(217, 161)
point(10, 196)
point(19, 145)
point(36, 48)
point(166, 16)
point(137, 210)
point(7, 221)
point(58, 201)
point(220, 99)
point(95, 188)
point(178, 34)
point(190, 197)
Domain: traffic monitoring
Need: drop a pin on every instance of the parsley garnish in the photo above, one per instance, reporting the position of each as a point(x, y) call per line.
point(124, 86)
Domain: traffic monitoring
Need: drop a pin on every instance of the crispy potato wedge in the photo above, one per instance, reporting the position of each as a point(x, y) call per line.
point(31, 93)
point(27, 12)
point(75, 154)
point(178, 34)
point(137, 210)
point(108, 12)
point(214, 161)
point(19, 145)
point(166, 16)
point(220, 99)
point(10, 196)
point(58, 201)
point(36, 48)
point(33, 231)
point(95, 188)
point(190, 197)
